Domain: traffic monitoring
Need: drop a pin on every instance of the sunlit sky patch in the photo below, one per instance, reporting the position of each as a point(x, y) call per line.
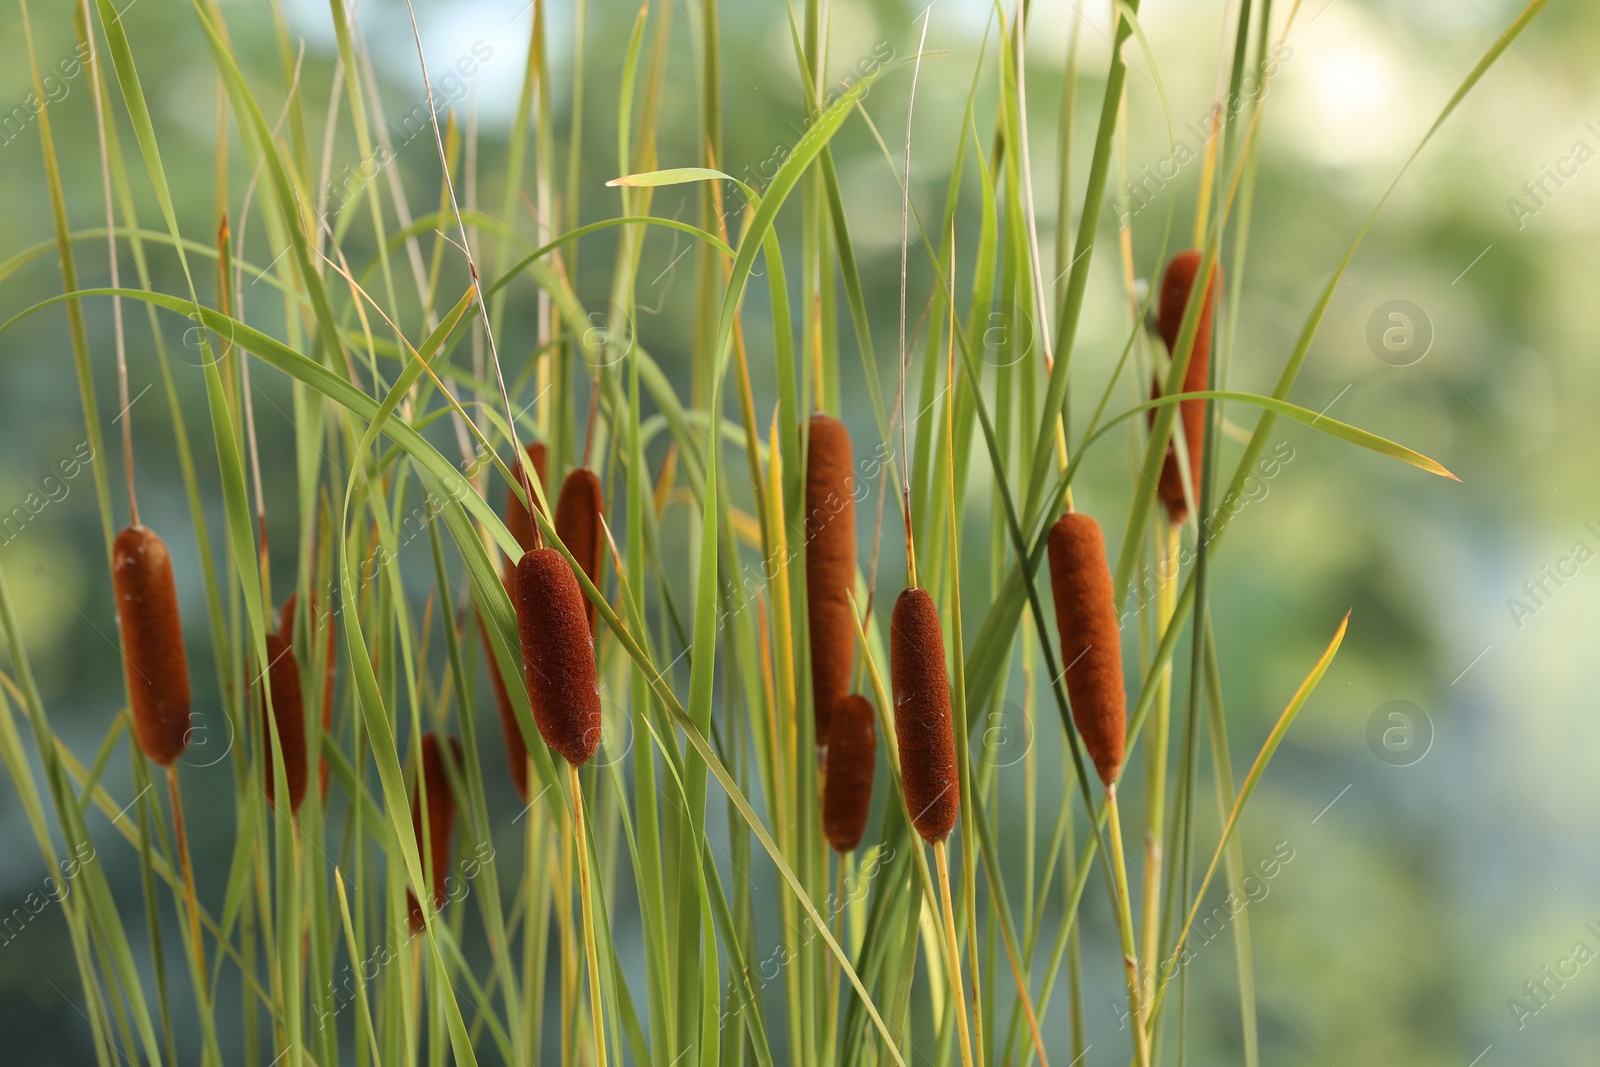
point(448, 32)
point(1345, 90)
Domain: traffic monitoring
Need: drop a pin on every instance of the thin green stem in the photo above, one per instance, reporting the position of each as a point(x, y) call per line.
point(1130, 958)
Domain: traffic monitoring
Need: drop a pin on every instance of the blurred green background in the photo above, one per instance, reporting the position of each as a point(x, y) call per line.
point(1443, 848)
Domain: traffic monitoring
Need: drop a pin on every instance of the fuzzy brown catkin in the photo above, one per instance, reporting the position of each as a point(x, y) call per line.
point(852, 758)
point(578, 511)
point(516, 746)
point(286, 616)
point(1091, 646)
point(518, 519)
point(830, 565)
point(281, 679)
point(1176, 285)
point(154, 659)
point(922, 722)
point(441, 822)
point(558, 655)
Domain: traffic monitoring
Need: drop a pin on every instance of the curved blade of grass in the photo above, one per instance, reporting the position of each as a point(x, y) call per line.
point(677, 176)
point(1332, 427)
point(1248, 788)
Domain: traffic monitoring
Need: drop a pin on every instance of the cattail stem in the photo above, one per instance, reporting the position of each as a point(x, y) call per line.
point(590, 947)
point(191, 897)
point(1130, 957)
point(905, 349)
point(911, 545)
point(116, 301)
point(905, 238)
point(594, 411)
point(1156, 759)
point(255, 471)
point(952, 954)
point(968, 882)
point(832, 981)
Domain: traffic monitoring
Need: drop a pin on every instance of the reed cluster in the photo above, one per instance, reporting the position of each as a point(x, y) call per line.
point(781, 754)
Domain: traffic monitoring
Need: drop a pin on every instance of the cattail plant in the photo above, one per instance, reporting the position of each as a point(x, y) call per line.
point(1091, 645)
point(1091, 657)
point(156, 668)
point(922, 723)
point(925, 733)
point(558, 655)
point(438, 827)
point(1176, 285)
point(286, 620)
point(830, 532)
point(564, 692)
point(852, 758)
point(518, 519)
point(279, 688)
point(154, 660)
point(579, 509)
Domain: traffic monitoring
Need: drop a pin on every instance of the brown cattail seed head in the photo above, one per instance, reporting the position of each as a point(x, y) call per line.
point(1176, 285)
point(518, 519)
point(152, 643)
point(830, 565)
point(286, 631)
point(558, 655)
point(852, 757)
point(281, 679)
point(922, 722)
point(578, 512)
point(441, 821)
point(1091, 647)
point(516, 748)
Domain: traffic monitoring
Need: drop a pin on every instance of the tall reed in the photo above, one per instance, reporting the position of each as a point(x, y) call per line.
point(421, 295)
